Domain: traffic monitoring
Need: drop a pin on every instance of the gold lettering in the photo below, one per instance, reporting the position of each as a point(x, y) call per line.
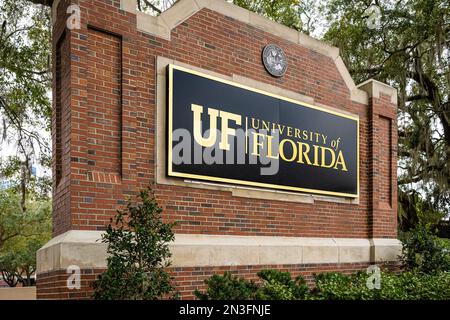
point(305, 135)
point(289, 131)
point(316, 156)
point(333, 157)
point(198, 135)
point(317, 137)
point(256, 127)
point(227, 131)
point(303, 154)
point(340, 160)
point(294, 150)
point(256, 143)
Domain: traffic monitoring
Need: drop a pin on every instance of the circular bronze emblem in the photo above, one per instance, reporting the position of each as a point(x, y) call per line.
point(274, 60)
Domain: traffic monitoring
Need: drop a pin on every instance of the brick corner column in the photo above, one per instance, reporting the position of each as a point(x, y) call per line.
point(93, 126)
point(383, 168)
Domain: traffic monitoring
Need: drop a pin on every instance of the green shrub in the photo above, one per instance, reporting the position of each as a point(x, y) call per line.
point(337, 286)
point(228, 287)
point(138, 254)
point(426, 286)
point(394, 286)
point(424, 252)
point(274, 285)
point(278, 285)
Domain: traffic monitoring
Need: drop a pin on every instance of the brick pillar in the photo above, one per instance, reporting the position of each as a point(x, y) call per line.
point(383, 164)
point(93, 131)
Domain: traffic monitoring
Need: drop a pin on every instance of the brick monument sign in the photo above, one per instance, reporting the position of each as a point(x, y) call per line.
point(316, 188)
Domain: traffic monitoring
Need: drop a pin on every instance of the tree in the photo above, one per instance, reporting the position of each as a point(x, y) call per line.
point(8, 269)
point(25, 79)
point(25, 210)
point(14, 223)
point(24, 96)
point(409, 49)
point(26, 256)
point(18, 262)
point(22, 233)
point(155, 6)
point(138, 254)
point(286, 12)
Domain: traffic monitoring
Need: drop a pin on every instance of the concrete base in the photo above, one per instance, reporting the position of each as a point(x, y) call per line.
point(84, 249)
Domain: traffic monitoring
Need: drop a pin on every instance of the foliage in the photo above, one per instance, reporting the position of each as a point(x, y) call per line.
point(155, 7)
point(15, 223)
point(414, 210)
point(286, 12)
point(228, 287)
point(394, 286)
point(273, 285)
point(25, 210)
point(334, 285)
point(22, 233)
point(409, 50)
point(18, 263)
point(279, 285)
point(330, 286)
point(8, 269)
point(25, 79)
point(138, 253)
point(424, 252)
point(295, 14)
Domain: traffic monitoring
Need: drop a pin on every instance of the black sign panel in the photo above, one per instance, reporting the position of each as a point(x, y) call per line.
point(221, 131)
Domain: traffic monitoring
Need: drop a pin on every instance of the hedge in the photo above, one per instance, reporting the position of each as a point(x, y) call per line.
point(276, 285)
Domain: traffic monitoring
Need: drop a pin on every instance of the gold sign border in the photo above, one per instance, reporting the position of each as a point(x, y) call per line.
point(172, 173)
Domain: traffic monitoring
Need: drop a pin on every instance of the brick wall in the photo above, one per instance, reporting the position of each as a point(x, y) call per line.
point(104, 129)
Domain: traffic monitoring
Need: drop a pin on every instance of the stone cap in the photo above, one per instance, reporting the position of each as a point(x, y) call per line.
point(374, 88)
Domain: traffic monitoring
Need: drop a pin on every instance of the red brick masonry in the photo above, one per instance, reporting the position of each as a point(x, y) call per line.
point(104, 125)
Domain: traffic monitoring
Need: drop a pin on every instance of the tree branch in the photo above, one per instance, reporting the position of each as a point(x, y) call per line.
point(153, 7)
